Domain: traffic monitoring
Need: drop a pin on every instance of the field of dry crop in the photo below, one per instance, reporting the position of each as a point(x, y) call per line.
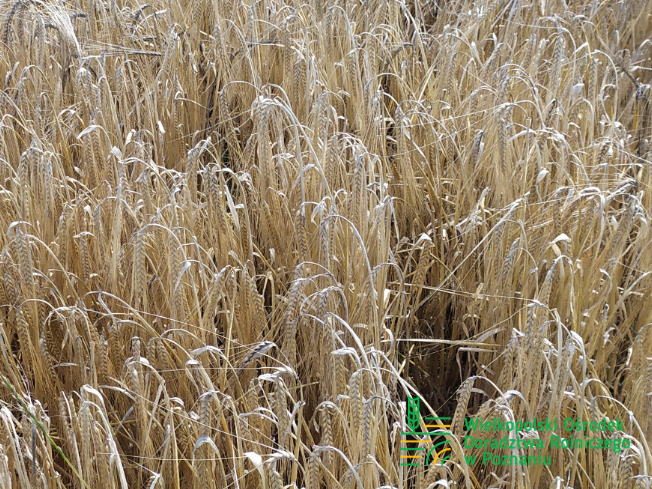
point(236, 236)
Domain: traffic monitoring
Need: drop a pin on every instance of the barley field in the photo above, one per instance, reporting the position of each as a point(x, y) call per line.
point(237, 236)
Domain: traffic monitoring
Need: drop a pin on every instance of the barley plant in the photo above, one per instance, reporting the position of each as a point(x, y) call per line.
point(236, 236)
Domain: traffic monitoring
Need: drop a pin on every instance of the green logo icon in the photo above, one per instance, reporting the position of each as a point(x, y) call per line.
point(413, 408)
point(414, 443)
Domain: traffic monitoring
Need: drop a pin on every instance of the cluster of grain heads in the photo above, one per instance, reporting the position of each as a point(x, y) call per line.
point(236, 235)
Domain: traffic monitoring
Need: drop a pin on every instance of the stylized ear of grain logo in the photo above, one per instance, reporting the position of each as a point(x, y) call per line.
point(414, 443)
point(414, 403)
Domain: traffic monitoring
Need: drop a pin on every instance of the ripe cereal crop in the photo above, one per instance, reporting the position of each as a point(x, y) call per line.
point(238, 235)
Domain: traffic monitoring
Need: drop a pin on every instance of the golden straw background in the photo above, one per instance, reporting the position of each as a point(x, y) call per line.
point(236, 235)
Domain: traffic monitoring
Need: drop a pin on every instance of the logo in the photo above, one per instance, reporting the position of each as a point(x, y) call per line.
point(423, 447)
